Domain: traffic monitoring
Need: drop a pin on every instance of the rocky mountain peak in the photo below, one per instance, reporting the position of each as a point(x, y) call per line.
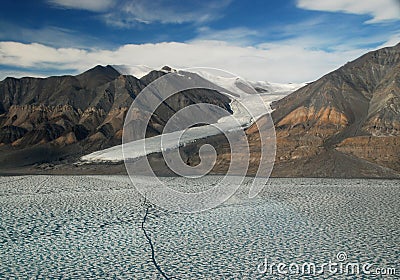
point(358, 91)
point(354, 110)
point(98, 75)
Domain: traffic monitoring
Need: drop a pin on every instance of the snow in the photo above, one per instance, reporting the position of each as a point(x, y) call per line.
point(249, 100)
point(240, 85)
point(169, 141)
point(153, 145)
point(137, 71)
point(276, 87)
point(232, 84)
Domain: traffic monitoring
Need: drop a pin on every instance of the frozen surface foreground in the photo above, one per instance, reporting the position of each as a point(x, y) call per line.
point(75, 227)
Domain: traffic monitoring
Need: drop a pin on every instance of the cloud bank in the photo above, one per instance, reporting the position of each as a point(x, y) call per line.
point(380, 10)
point(291, 52)
point(276, 62)
point(128, 13)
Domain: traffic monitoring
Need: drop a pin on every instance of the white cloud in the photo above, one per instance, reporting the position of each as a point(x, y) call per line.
point(238, 35)
point(129, 13)
point(393, 40)
point(38, 55)
point(48, 35)
point(90, 5)
point(19, 74)
point(380, 10)
point(276, 62)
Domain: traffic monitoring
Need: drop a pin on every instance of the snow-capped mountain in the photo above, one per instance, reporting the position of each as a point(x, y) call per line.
point(221, 78)
point(344, 124)
point(245, 99)
point(65, 117)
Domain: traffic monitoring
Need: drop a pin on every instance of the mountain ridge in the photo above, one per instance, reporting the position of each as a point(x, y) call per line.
point(344, 111)
point(345, 124)
point(86, 111)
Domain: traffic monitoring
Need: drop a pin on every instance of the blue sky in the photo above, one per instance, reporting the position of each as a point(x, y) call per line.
point(280, 41)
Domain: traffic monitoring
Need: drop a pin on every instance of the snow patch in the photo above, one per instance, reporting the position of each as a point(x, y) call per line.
point(138, 71)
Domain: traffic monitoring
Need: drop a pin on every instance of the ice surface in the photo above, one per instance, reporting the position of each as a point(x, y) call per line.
point(135, 149)
point(76, 227)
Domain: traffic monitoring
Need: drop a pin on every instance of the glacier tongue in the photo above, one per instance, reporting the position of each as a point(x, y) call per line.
point(248, 98)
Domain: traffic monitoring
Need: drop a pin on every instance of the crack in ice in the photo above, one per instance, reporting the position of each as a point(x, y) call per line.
point(153, 257)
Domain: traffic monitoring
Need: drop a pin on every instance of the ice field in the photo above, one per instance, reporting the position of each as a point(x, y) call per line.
point(75, 227)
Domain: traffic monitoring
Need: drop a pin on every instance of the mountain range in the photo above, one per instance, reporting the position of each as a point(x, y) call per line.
point(61, 118)
point(345, 124)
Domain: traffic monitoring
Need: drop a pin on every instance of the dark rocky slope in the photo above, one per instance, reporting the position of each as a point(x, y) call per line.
point(64, 117)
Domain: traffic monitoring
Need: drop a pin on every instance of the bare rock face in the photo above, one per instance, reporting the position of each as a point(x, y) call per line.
point(10, 133)
point(383, 150)
point(323, 117)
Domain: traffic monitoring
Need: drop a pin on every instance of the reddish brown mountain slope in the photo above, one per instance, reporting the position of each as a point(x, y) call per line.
point(345, 124)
